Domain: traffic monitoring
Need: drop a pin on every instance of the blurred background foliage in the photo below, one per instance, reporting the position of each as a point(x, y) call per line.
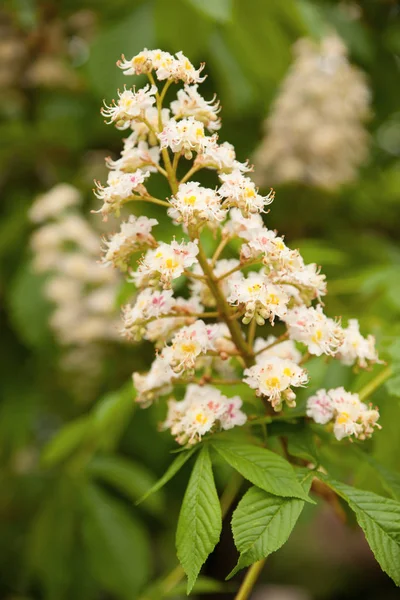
point(75, 453)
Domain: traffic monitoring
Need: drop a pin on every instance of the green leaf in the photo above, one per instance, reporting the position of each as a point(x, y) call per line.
point(114, 40)
point(302, 445)
point(393, 385)
point(111, 415)
point(379, 518)
point(217, 10)
point(263, 468)
point(170, 473)
point(117, 546)
point(200, 521)
point(51, 539)
point(173, 33)
point(389, 479)
point(65, 441)
point(262, 523)
point(129, 477)
point(29, 308)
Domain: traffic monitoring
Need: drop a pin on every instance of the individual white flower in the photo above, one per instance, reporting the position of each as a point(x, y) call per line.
point(156, 382)
point(355, 348)
point(120, 187)
point(136, 155)
point(186, 136)
point(241, 226)
point(308, 278)
point(261, 299)
point(142, 62)
point(194, 204)
point(240, 191)
point(313, 328)
point(221, 267)
point(320, 407)
point(274, 377)
point(285, 349)
point(189, 342)
point(134, 235)
point(130, 106)
point(160, 331)
point(190, 103)
point(165, 263)
point(351, 416)
point(203, 409)
point(148, 305)
point(54, 202)
point(165, 65)
point(221, 157)
point(264, 242)
point(185, 71)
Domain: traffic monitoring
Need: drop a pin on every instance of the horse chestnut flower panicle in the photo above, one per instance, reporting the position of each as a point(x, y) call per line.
point(199, 336)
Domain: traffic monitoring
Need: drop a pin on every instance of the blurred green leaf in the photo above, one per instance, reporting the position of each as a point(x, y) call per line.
point(116, 543)
point(174, 34)
point(217, 10)
point(29, 309)
point(302, 444)
point(389, 479)
point(51, 539)
point(130, 478)
point(66, 441)
point(129, 37)
point(111, 416)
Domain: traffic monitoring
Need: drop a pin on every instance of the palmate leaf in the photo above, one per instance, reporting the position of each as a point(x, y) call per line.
point(262, 523)
point(200, 520)
point(263, 468)
point(379, 518)
point(172, 470)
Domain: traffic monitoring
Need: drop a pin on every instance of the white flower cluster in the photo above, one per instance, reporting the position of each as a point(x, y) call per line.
point(315, 133)
point(276, 371)
point(202, 410)
point(350, 416)
point(279, 288)
point(83, 293)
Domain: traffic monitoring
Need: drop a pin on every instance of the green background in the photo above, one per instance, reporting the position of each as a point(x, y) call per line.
point(69, 527)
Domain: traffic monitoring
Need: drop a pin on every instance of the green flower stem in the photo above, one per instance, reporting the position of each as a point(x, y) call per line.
point(230, 492)
point(370, 388)
point(250, 580)
point(234, 327)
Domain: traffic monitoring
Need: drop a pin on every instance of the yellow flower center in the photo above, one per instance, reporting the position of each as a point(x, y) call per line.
point(188, 348)
point(272, 382)
point(317, 337)
point(273, 299)
point(189, 200)
point(343, 418)
point(287, 372)
point(202, 419)
point(254, 288)
point(170, 263)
